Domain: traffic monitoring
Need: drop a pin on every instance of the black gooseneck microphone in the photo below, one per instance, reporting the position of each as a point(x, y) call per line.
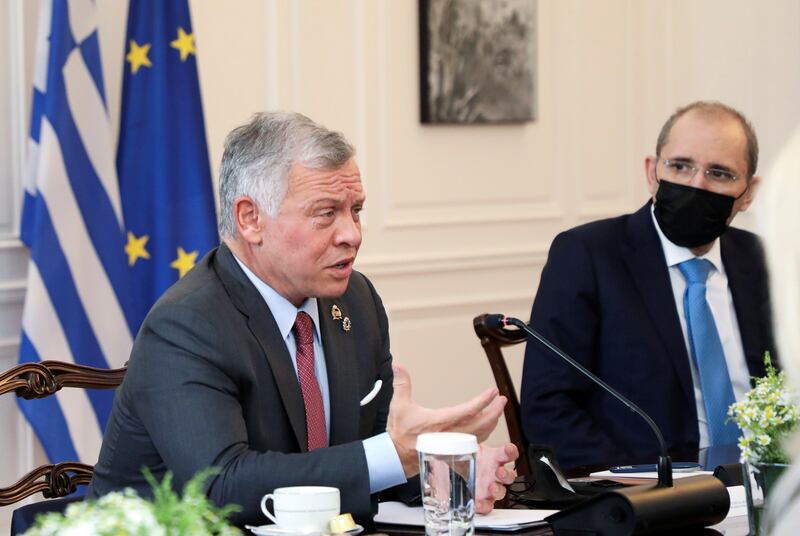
point(696, 501)
point(664, 461)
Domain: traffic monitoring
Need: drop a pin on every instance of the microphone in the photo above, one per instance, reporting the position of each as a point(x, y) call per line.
point(695, 501)
point(664, 461)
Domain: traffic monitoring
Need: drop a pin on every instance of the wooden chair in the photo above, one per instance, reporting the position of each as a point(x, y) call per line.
point(40, 380)
point(493, 341)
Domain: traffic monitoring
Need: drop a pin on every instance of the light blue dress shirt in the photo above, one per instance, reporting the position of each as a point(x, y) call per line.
point(720, 300)
point(383, 463)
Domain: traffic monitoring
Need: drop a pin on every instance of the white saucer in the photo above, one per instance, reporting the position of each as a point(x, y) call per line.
point(274, 530)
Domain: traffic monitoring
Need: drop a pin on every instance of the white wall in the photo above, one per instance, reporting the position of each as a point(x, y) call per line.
point(459, 218)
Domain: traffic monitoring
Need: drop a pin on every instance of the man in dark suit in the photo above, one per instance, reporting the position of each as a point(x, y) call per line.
point(618, 296)
point(265, 359)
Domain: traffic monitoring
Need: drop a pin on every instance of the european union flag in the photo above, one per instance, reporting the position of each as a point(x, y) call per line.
point(162, 160)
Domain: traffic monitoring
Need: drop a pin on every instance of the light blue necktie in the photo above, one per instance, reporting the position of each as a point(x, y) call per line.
point(707, 353)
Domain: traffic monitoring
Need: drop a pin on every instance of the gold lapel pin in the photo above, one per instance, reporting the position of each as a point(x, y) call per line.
point(346, 323)
point(336, 313)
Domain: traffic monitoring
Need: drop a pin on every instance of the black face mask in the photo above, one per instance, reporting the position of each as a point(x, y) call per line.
point(691, 217)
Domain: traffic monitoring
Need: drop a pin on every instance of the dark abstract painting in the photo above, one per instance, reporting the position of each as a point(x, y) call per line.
point(477, 60)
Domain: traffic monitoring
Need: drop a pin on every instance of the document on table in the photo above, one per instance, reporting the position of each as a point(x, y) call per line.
point(397, 513)
point(647, 474)
point(738, 501)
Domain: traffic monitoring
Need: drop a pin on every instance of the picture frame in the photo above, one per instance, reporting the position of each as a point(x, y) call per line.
point(477, 61)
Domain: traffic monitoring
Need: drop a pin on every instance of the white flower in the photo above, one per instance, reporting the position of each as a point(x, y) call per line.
point(767, 413)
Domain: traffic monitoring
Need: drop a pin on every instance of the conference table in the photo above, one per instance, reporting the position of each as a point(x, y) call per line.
point(731, 526)
point(736, 524)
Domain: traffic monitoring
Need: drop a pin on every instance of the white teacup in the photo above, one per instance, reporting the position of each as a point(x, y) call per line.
point(302, 508)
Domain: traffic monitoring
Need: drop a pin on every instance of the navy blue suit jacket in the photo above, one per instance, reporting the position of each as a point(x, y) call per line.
point(605, 298)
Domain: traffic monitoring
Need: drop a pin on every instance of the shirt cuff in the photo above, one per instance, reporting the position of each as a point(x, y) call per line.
point(383, 463)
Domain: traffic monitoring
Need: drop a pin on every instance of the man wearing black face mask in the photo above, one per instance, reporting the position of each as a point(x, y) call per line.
point(669, 305)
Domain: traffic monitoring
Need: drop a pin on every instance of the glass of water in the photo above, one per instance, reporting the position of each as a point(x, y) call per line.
point(447, 477)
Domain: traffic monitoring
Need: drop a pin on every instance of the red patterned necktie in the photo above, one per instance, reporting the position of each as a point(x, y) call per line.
point(312, 397)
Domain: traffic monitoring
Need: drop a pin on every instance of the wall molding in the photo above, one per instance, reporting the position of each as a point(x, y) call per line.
point(457, 261)
point(295, 69)
point(12, 291)
point(17, 87)
point(606, 209)
point(442, 215)
point(400, 309)
point(13, 261)
point(9, 351)
point(272, 45)
point(11, 243)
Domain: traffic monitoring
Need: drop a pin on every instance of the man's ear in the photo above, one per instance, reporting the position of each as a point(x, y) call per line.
point(249, 220)
point(650, 175)
point(749, 195)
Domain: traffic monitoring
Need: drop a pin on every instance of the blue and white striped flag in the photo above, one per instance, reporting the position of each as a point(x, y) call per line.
point(75, 305)
point(103, 250)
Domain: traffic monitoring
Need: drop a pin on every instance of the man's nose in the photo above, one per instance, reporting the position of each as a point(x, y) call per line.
point(348, 231)
point(699, 179)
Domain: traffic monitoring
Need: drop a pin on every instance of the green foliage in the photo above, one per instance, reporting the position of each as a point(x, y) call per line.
point(125, 513)
point(767, 415)
point(194, 513)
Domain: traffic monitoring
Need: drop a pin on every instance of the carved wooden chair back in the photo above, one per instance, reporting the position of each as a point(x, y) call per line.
point(40, 380)
point(493, 341)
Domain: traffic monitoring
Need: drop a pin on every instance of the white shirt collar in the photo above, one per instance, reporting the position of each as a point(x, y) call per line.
point(676, 254)
point(282, 309)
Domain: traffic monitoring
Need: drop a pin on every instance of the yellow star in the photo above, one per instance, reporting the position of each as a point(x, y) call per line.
point(135, 248)
point(184, 43)
point(184, 262)
point(138, 56)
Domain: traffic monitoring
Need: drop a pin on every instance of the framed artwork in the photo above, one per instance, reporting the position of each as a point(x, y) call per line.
point(477, 61)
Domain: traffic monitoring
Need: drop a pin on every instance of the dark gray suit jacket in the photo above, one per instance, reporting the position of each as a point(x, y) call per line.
point(210, 383)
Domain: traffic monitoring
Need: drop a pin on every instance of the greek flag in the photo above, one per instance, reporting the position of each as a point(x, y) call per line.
point(75, 304)
point(104, 248)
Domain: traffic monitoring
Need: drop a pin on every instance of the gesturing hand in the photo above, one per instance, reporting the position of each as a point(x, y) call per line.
point(407, 419)
point(491, 475)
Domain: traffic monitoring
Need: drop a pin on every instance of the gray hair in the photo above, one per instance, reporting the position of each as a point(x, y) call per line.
point(712, 107)
point(259, 155)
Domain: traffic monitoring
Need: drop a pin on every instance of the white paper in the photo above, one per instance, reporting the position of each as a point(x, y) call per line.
point(397, 513)
point(561, 480)
point(738, 501)
point(649, 474)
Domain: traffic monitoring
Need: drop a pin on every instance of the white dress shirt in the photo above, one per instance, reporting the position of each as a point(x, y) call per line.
point(720, 301)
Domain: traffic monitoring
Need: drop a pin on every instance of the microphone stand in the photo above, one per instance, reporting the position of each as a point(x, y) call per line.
point(664, 461)
point(691, 502)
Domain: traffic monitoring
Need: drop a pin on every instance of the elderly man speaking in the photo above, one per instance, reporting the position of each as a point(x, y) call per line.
point(257, 361)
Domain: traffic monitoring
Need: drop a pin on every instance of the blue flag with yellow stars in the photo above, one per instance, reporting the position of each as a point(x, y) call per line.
point(162, 158)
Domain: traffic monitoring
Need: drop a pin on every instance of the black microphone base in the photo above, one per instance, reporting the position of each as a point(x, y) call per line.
point(698, 501)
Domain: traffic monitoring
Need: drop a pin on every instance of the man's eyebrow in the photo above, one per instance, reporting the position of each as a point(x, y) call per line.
point(722, 167)
point(330, 200)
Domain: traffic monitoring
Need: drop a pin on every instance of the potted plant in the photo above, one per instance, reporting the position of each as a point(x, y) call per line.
point(124, 512)
point(767, 416)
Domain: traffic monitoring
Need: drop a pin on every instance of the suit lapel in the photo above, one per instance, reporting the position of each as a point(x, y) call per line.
point(340, 362)
point(648, 267)
point(262, 324)
point(740, 281)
